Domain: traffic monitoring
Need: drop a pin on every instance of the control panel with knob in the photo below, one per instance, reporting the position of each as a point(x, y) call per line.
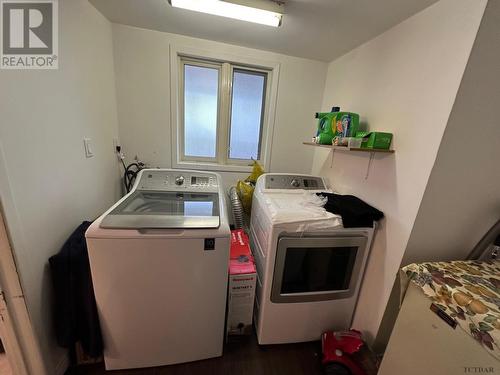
point(186, 181)
point(286, 181)
point(179, 180)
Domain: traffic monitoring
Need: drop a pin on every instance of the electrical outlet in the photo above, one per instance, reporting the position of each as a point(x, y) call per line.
point(87, 143)
point(116, 143)
point(117, 149)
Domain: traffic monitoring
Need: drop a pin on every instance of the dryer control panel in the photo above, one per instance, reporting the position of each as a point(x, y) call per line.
point(180, 180)
point(289, 181)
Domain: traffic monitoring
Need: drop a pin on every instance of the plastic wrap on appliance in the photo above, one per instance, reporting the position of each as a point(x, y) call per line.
point(305, 208)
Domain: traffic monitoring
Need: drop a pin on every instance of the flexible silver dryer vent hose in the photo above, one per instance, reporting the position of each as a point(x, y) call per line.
point(237, 208)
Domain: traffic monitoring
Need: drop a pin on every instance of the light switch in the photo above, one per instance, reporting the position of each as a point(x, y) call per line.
point(87, 142)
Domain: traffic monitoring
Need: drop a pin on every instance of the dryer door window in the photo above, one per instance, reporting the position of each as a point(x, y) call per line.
point(316, 269)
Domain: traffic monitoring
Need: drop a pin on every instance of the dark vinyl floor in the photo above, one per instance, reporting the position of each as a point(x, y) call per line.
point(242, 357)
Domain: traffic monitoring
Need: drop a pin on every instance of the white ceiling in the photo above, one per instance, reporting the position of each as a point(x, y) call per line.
point(315, 29)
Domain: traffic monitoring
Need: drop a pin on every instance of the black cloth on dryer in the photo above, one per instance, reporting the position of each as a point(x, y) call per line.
point(75, 310)
point(355, 213)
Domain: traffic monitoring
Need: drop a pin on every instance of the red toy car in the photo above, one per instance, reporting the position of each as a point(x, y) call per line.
point(345, 353)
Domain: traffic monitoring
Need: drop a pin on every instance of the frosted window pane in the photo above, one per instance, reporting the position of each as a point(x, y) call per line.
point(200, 110)
point(246, 114)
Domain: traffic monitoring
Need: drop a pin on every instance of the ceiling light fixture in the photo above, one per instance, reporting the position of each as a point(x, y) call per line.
point(258, 11)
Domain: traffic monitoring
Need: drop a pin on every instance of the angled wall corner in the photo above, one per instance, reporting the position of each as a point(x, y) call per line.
point(404, 81)
point(462, 197)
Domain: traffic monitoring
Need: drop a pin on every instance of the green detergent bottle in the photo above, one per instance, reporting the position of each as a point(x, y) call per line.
point(335, 125)
point(326, 131)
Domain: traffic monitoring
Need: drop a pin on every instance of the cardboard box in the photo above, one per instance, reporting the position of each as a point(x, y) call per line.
point(242, 281)
point(375, 140)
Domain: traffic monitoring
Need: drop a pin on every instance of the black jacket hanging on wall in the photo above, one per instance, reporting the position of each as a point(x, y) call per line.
point(75, 310)
point(355, 213)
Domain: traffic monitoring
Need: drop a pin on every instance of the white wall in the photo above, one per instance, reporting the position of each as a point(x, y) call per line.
point(404, 81)
point(462, 198)
point(47, 186)
point(143, 94)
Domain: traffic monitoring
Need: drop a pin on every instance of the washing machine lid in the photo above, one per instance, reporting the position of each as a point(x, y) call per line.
point(146, 209)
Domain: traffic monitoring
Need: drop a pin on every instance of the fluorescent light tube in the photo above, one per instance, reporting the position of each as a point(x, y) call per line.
point(231, 10)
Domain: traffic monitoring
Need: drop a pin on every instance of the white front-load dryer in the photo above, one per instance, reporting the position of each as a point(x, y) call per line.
point(309, 266)
point(159, 260)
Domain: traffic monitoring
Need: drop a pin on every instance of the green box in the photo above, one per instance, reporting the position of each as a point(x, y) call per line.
point(377, 140)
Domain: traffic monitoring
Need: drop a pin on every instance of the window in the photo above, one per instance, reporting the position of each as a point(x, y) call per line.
point(201, 92)
point(223, 113)
point(247, 106)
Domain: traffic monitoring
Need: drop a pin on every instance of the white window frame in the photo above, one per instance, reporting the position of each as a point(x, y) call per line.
point(227, 64)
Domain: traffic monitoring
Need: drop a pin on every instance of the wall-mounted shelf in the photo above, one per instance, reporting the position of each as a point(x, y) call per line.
point(371, 151)
point(344, 148)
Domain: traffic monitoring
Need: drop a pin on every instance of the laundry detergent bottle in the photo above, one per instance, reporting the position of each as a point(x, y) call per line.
point(335, 125)
point(326, 126)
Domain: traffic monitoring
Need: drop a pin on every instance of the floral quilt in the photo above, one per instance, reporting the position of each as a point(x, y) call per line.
point(468, 291)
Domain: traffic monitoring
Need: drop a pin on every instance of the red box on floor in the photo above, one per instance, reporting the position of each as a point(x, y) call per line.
point(242, 281)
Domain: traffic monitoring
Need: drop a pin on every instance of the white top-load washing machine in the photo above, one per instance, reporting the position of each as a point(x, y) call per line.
point(159, 261)
point(309, 266)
